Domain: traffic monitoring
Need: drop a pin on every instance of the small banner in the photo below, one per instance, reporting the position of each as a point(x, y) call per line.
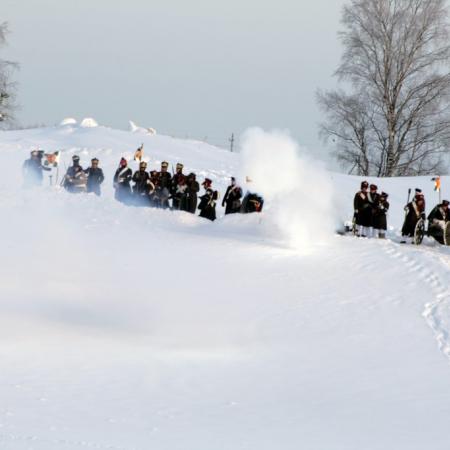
point(52, 159)
point(437, 183)
point(139, 153)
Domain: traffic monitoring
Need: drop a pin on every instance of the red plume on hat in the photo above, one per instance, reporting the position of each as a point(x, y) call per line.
point(207, 183)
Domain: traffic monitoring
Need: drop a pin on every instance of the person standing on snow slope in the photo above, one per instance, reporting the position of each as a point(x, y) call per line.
point(95, 177)
point(32, 170)
point(78, 182)
point(175, 186)
point(164, 185)
point(379, 220)
point(414, 211)
point(142, 184)
point(374, 197)
point(192, 190)
point(363, 211)
point(437, 221)
point(71, 171)
point(122, 179)
point(232, 198)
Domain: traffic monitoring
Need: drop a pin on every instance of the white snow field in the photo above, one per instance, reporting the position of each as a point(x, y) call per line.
point(129, 328)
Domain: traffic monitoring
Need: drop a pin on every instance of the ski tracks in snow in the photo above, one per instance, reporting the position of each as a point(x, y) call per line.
point(432, 265)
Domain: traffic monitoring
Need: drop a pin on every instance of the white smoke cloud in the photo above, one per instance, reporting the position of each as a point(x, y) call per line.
point(297, 191)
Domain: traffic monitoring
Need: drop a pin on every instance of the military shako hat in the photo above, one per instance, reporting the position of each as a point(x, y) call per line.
point(207, 183)
point(364, 185)
point(373, 187)
point(445, 203)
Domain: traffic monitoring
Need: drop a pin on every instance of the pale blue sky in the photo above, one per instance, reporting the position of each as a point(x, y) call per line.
point(198, 68)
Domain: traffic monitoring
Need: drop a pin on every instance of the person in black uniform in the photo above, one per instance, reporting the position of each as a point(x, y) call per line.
point(192, 190)
point(232, 198)
point(142, 184)
point(379, 218)
point(179, 197)
point(437, 221)
point(362, 211)
point(414, 211)
point(71, 172)
point(207, 205)
point(33, 170)
point(95, 177)
point(164, 185)
point(122, 179)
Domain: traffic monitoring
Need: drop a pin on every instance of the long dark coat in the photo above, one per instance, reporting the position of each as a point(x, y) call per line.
point(379, 221)
point(192, 190)
point(122, 187)
point(207, 206)
point(232, 199)
point(413, 214)
point(95, 179)
point(363, 209)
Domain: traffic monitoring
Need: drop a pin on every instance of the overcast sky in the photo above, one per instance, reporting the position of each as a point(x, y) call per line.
point(201, 68)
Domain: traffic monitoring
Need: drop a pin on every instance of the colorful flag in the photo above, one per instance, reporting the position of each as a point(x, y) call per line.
point(437, 184)
point(138, 155)
point(51, 159)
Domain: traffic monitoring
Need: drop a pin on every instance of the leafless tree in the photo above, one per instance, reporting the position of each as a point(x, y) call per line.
point(7, 85)
point(393, 119)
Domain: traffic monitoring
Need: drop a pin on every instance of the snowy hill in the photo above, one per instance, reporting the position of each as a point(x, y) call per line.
point(133, 328)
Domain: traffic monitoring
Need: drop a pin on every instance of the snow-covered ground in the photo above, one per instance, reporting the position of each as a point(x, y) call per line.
point(134, 329)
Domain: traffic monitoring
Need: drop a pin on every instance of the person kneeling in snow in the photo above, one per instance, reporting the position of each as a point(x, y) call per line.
point(207, 205)
point(252, 203)
point(437, 221)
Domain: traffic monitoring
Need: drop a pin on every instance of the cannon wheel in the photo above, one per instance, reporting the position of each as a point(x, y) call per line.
point(447, 234)
point(419, 232)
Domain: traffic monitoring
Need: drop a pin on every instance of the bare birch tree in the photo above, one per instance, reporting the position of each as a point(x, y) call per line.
point(393, 119)
point(7, 85)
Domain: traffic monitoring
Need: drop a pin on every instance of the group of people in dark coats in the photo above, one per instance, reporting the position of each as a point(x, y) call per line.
point(87, 180)
point(371, 208)
point(155, 188)
point(415, 212)
point(178, 191)
point(161, 189)
point(370, 211)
